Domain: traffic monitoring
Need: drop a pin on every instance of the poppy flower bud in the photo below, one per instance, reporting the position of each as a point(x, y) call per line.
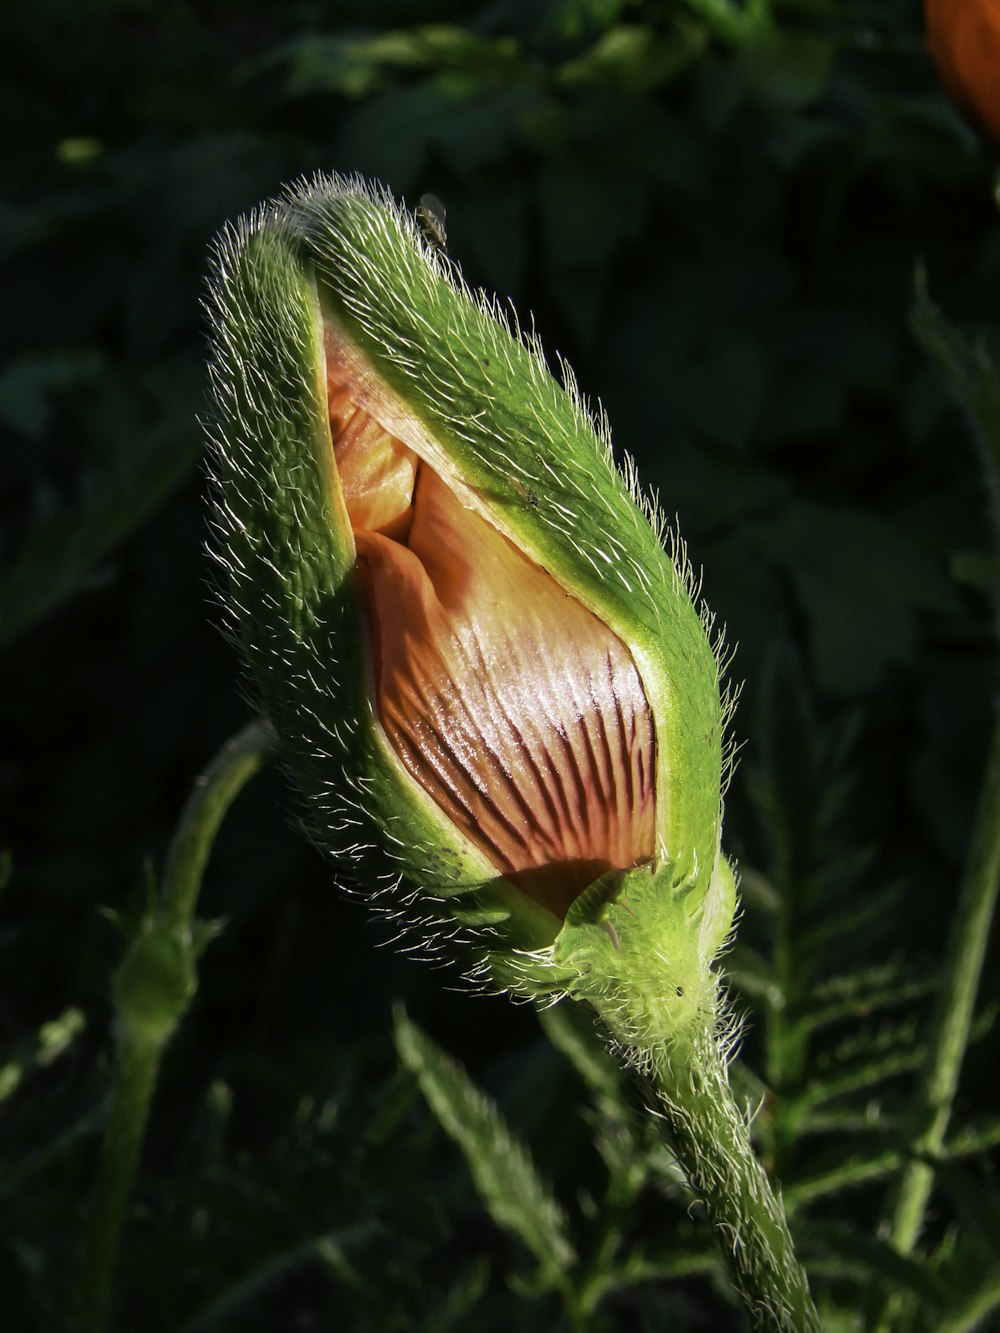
point(963, 37)
point(489, 677)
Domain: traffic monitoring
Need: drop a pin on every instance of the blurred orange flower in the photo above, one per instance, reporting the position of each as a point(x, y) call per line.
point(963, 37)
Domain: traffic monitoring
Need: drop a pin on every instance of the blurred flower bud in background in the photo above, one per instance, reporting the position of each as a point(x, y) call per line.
point(963, 37)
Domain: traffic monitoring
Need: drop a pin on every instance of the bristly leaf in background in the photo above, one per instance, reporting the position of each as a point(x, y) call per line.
point(617, 1134)
point(509, 1185)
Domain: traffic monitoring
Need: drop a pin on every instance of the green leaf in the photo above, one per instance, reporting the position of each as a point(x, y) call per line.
point(836, 926)
point(632, 61)
point(972, 1307)
point(856, 1170)
point(49, 1043)
point(878, 1259)
point(61, 550)
point(786, 71)
point(731, 20)
point(864, 1062)
point(861, 993)
point(974, 1139)
point(971, 1272)
point(862, 586)
point(505, 1176)
point(28, 385)
point(329, 1249)
point(357, 66)
point(570, 1033)
point(617, 1131)
point(977, 1205)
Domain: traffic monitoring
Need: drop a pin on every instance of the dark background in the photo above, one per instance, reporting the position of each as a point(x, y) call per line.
point(717, 223)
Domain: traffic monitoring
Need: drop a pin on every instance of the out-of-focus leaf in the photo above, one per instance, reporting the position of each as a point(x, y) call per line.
point(572, 18)
point(862, 586)
point(854, 1168)
point(61, 552)
point(786, 71)
point(575, 1037)
point(587, 217)
point(973, 1303)
point(618, 1133)
point(331, 1250)
point(862, 1062)
point(973, 1139)
point(51, 1041)
point(977, 1204)
point(357, 65)
point(753, 975)
point(883, 1264)
point(633, 61)
point(733, 20)
point(504, 1174)
point(968, 1262)
point(26, 386)
point(859, 994)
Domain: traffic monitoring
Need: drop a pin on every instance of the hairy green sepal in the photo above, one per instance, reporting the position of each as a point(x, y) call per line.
point(476, 399)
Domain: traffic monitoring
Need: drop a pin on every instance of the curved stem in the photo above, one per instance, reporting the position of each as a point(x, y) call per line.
point(154, 984)
point(712, 1141)
point(214, 792)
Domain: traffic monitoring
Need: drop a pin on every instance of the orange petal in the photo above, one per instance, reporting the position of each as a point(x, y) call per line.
point(512, 705)
point(963, 37)
point(377, 472)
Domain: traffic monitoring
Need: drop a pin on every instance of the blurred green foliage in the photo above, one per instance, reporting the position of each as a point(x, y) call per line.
point(714, 211)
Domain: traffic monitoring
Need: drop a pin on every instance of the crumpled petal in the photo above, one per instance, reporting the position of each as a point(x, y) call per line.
point(512, 705)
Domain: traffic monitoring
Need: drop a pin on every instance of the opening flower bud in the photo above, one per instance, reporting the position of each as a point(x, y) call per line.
point(488, 674)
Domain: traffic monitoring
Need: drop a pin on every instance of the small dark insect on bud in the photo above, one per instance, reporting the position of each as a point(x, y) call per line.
point(431, 214)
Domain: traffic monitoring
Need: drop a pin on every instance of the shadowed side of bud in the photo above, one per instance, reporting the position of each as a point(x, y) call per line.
point(488, 674)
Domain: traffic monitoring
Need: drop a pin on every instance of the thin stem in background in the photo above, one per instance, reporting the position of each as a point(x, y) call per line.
point(157, 977)
point(939, 1081)
point(972, 378)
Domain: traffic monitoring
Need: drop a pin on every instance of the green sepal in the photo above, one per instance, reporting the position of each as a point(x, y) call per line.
point(523, 448)
point(640, 949)
point(476, 400)
point(290, 590)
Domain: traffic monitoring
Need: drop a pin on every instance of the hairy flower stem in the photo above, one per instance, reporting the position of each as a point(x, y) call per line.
point(153, 987)
point(939, 1079)
point(712, 1141)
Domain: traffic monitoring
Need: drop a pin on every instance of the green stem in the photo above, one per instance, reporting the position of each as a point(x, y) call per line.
point(153, 987)
point(712, 1141)
point(939, 1080)
point(235, 764)
point(131, 1093)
